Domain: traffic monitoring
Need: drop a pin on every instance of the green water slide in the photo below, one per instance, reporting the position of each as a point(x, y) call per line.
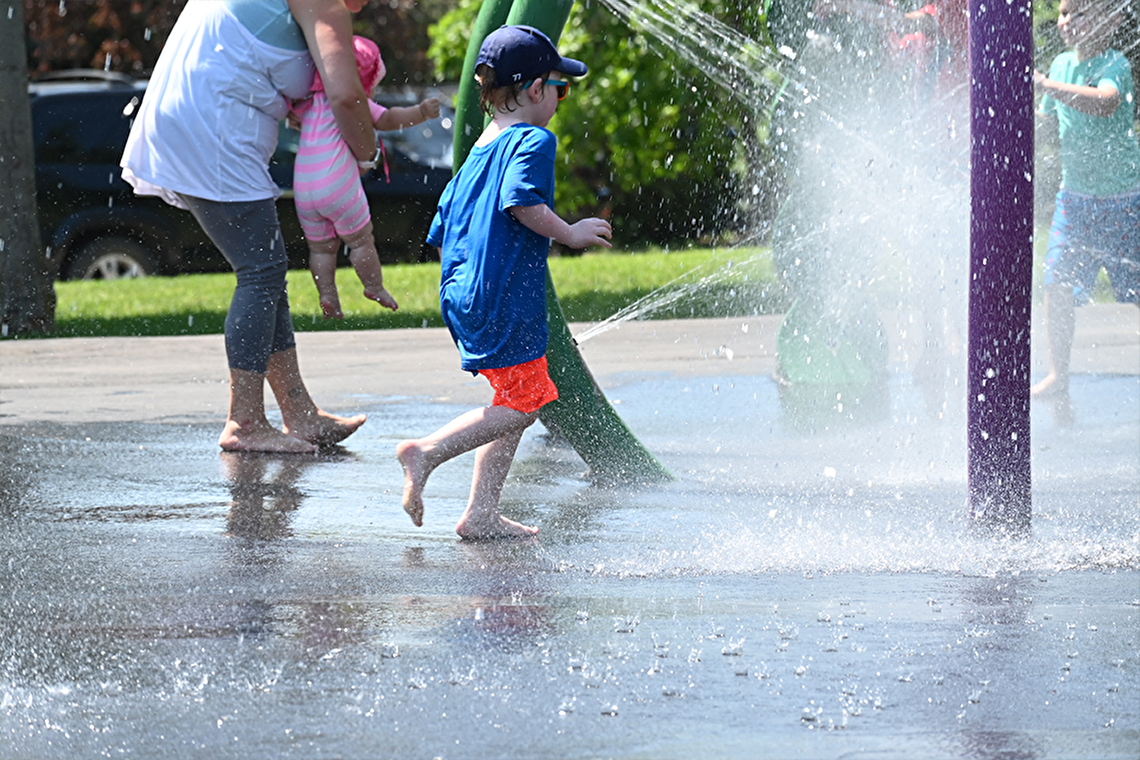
point(582, 414)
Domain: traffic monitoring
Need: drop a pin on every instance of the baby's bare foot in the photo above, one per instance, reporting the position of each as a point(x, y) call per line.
point(412, 459)
point(263, 438)
point(494, 526)
point(330, 307)
point(382, 297)
point(325, 429)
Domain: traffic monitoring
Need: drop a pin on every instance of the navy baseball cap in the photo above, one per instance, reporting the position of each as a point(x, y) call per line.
point(519, 53)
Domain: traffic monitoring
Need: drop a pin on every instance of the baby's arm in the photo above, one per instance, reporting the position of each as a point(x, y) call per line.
point(1102, 100)
point(403, 117)
point(542, 220)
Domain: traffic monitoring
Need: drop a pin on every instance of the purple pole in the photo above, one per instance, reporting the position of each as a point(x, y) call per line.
point(1001, 262)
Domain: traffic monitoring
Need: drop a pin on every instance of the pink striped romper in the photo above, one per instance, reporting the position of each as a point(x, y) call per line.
point(326, 181)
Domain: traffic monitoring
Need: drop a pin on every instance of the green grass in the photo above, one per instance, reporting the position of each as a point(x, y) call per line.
point(705, 282)
point(653, 285)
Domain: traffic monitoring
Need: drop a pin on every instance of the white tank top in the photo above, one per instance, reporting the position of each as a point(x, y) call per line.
point(208, 123)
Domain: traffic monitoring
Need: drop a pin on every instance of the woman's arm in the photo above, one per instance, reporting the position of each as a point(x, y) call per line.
point(1102, 100)
point(327, 25)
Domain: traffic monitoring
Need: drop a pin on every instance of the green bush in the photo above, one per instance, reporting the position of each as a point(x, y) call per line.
point(647, 140)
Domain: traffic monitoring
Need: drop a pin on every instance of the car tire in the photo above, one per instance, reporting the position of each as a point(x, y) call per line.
point(111, 258)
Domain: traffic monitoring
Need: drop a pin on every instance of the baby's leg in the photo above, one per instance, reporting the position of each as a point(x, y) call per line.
point(322, 263)
point(366, 261)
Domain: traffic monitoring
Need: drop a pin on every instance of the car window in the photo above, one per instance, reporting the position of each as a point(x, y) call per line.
point(83, 128)
point(428, 143)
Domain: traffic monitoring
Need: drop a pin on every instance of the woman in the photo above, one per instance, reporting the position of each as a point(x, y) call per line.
point(202, 141)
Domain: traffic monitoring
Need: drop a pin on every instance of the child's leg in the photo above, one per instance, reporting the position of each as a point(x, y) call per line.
point(477, 428)
point(366, 261)
point(322, 263)
point(1060, 324)
point(1063, 272)
point(481, 519)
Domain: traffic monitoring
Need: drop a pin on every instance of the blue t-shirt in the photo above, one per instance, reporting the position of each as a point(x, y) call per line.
point(492, 289)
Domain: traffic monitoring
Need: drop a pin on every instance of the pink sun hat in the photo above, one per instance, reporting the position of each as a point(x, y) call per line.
point(368, 63)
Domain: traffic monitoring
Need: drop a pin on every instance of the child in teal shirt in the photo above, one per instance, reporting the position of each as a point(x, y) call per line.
point(1097, 219)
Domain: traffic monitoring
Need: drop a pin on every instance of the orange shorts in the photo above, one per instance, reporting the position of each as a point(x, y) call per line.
point(525, 387)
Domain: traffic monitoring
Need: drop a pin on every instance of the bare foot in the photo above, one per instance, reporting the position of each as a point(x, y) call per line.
point(412, 459)
point(260, 436)
point(325, 429)
point(495, 526)
point(1050, 387)
point(382, 297)
point(330, 307)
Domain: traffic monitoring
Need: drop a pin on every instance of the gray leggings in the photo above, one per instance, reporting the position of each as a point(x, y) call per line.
point(249, 236)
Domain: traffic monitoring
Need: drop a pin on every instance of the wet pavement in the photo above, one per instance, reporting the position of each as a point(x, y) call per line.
point(789, 595)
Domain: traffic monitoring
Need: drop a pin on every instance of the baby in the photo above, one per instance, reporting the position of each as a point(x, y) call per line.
point(326, 183)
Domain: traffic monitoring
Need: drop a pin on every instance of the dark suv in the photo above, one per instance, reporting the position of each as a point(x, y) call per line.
point(96, 227)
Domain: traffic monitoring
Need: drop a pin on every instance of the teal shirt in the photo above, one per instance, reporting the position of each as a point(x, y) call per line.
point(1099, 154)
point(269, 21)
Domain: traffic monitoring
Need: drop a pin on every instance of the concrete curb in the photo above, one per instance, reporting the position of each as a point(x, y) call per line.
point(183, 379)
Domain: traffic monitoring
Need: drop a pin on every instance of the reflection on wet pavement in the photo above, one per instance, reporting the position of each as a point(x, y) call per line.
point(790, 595)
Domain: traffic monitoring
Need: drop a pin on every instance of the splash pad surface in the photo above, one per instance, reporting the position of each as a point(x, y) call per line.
point(791, 594)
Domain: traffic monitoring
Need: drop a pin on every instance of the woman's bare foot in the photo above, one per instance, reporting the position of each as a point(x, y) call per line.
point(382, 297)
point(414, 462)
point(494, 526)
point(263, 437)
point(325, 429)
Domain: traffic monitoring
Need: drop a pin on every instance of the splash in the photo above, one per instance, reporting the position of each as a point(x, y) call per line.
point(728, 272)
point(870, 129)
point(744, 67)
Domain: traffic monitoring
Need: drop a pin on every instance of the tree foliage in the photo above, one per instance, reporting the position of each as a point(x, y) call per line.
point(127, 35)
point(27, 301)
point(644, 138)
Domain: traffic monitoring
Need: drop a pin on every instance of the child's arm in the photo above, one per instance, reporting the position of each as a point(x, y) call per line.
point(542, 220)
point(1102, 100)
point(403, 117)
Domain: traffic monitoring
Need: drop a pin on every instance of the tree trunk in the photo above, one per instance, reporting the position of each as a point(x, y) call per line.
point(26, 294)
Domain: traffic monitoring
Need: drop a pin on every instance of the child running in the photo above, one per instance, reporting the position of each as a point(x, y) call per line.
point(330, 199)
point(494, 225)
point(1097, 219)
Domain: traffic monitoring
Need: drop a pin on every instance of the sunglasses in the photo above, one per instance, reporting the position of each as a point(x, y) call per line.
point(562, 88)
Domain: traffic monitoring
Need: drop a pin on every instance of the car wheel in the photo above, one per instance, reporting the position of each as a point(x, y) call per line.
point(111, 258)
